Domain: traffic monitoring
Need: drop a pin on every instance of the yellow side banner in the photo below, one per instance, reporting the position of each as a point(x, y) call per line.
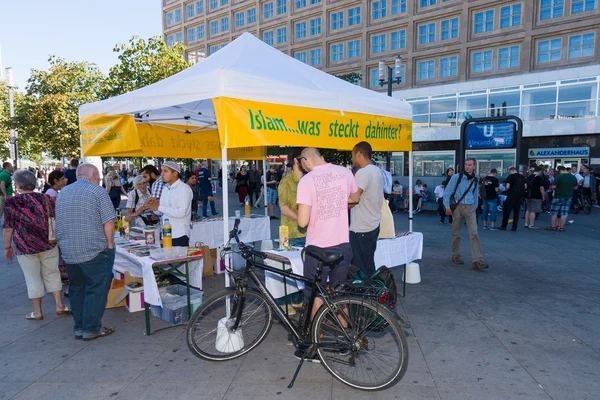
point(167, 141)
point(108, 134)
point(249, 123)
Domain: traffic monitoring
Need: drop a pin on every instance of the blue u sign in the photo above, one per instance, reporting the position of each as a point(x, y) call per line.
point(499, 135)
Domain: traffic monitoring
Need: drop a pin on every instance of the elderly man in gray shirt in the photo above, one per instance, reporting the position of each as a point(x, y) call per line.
point(85, 227)
point(464, 188)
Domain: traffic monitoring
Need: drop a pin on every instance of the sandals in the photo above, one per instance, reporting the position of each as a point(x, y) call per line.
point(65, 311)
point(551, 228)
point(31, 316)
point(561, 229)
point(103, 332)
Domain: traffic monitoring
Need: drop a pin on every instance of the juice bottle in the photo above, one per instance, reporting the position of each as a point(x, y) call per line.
point(118, 221)
point(167, 241)
point(247, 206)
point(284, 235)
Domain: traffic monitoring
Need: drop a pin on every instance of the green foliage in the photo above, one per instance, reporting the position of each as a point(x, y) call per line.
point(142, 63)
point(353, 77)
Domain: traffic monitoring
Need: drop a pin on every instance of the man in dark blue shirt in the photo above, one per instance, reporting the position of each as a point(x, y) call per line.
point(205, 188)
point(70, 173)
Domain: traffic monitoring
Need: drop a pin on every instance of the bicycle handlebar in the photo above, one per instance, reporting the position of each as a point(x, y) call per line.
point(234, 234)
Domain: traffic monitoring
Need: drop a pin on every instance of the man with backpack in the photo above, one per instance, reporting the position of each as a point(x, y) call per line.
point(461, 200)
point(535, 194)
point(515, 190)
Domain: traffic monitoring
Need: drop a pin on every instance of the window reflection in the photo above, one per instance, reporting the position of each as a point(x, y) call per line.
point(577, 92)
point(539, 96)
point(578, 109)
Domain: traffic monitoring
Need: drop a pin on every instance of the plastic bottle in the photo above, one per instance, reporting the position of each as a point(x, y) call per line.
point(118, 221)
point(167, 241)
point(247, 206)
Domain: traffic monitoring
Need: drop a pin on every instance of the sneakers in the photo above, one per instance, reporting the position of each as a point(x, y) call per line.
point(457, 260)
point(480, 265)
point(484, 228)
point(526, 226)
point(535, 228)
point(300, 353)
point(493, 228)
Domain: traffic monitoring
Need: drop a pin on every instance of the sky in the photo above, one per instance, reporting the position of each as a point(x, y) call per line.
point(77, 30)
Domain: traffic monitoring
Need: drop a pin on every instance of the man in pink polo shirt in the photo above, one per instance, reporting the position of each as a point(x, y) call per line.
point(323, 197)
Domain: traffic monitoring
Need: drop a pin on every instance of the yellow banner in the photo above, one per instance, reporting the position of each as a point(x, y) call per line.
point(247, 123)
point(167, 141)
point(103, 135)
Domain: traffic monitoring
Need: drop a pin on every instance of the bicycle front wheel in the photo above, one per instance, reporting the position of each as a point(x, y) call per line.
point(587, 206)
point(211, 334)
point(360, 343)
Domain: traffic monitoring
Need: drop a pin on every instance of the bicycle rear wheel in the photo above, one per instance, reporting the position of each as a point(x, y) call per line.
point(371, 353)
point(210, 333)
point(587, 206)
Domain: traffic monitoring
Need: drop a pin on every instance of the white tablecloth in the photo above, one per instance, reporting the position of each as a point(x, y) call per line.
point(390, 252)
point(211, 232)
point(141, 267)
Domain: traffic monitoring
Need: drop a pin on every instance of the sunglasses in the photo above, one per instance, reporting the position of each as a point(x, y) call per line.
point(299, 159)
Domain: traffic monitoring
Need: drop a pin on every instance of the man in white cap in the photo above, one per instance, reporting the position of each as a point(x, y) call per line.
point(175, 203)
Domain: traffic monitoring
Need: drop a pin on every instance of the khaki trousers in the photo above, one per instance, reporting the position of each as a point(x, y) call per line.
point(466, 212)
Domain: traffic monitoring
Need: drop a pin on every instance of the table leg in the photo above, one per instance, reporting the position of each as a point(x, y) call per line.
point(187, 286)
point(404, 282)
point(147, 315)
point(285, 294)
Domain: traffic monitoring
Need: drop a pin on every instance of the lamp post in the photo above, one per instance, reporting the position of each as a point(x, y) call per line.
point(393, 76)
point(13, 134)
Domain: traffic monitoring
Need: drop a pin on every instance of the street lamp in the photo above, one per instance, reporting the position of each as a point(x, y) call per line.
point(393, 76)
point(13, 134)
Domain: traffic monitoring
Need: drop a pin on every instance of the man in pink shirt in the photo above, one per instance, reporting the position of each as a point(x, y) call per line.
point(323, 197)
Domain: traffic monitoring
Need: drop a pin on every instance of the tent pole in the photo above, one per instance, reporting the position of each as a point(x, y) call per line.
point(410, 189)
point(265, 181)
point(225, 212)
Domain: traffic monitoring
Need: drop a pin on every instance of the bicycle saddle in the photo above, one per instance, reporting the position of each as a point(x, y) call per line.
point(328, 257)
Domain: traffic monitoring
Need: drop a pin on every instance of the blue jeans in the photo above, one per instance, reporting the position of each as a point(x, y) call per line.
point(490, 206)
point(205, 208)
point(89, 283)
point(297, 242)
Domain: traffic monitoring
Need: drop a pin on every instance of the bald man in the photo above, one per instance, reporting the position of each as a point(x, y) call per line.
point(85, 227)
point(323, 197)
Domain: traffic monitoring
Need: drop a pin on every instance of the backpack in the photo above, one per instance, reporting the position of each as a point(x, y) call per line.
point(529, 190)
point(482, 190)
point(382, 278)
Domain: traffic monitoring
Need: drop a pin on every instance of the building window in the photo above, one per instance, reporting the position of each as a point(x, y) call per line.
point(398, 39)
point(191, 35)
point(281, 7)
point(239, 19)
point(398, 6)
point(579, 6)
point(268, 37)
point(426, 3)
point(315, 57)
point(214, 27)
point(581, 45)
point(178, 15)
point(170, 40)
point(549, 51)
point(449, 29)
point(179, 37)
point(354, 48)
point(448, 66)
point(281, 35)
point(169, 18)
point(373, 78)
point(224, 24)
point(190, 10)
point(212, 5)
point(195, 56)
point(378, 44)
point(337, 20)
point(426, 70)
point(268, 10)
point(300, 3)
point(200, 7)
point(251, 16)
point(301, 30)
point(301, 56)
point(315, 26)
point(337, 52)
point(510, 16)
point(214, 49)
point(378, 9)
point(551, 9)
point(200, 31)
point(508, 57)
point(402, 75)
point(484, 21)
point(224, 2)
point(354, 16)
point(314, 2)
point(427, 33)
point(482, 61)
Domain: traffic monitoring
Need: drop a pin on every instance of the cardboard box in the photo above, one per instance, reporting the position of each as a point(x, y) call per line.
point(116, 287)
point(174, 299)
point(209, 259)
point(134, 302)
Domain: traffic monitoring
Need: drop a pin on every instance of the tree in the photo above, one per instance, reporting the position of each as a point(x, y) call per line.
point(353, 77)
point(47, 118)
point(142, 63)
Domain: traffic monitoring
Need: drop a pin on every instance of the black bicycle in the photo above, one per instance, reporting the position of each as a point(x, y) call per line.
point(583, 203)
point(358, 340)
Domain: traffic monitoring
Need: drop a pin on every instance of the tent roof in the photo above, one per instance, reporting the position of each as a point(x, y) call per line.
point(247, 69)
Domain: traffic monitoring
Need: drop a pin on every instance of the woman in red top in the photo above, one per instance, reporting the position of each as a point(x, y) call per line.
point(26, 224)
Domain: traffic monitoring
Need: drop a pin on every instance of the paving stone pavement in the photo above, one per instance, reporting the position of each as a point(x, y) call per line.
point(526, 328)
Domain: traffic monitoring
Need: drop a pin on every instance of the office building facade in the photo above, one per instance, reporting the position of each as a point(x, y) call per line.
point(535, 59)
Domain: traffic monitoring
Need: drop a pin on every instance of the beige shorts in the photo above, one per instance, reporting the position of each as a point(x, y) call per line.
point(41, 272)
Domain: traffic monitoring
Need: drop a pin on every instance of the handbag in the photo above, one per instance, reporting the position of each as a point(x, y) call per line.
point(51, 221)
point(453, 202)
